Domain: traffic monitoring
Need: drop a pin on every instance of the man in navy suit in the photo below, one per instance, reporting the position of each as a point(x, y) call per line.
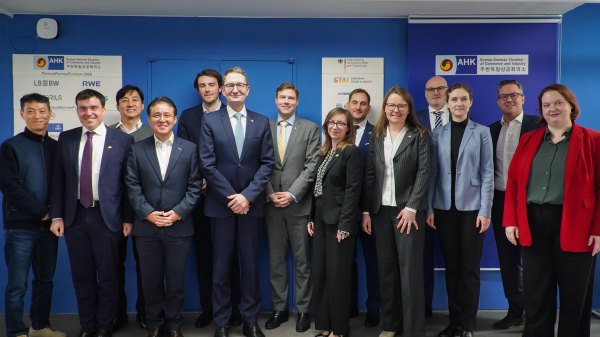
point(236, 158)
point(208, 83)
point(435, 115)
point(359, 105)
point(93, 216)
point(163, 184)
point(505, 137)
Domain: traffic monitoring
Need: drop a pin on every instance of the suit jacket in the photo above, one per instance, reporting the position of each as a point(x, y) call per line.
point(115, 206)
point(341, 189)
point(226, 173)
point(295, 173)
point(364, 141)
point(142, 133)
point(411, 172)
point(474, 182)
point(148, 192)
point(190, 123)
point(582, 189)
point(423, 118)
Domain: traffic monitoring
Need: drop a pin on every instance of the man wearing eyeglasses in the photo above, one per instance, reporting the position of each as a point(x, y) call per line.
point(236, 158)
point(435, 115)
point(505, 137)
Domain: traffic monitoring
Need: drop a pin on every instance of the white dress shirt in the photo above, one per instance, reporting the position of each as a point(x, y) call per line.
point(205, 111)
point(135, 127)
point(388, 195)
point(163, 153)
point(359, 133)
point(445, 116)
point(505, 149)
point(97, 151)
point(233, 120)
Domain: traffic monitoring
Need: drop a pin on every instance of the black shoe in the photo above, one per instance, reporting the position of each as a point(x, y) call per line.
point(119, 321)
point(141, 321)
point(276, 319)
point(252, 330)
point(158, 332)
point(86, 334)
point(174, 333)
point(303, 322)
point(450, 331)
point(508, 322)
point(373, 318)
point(466, 334)
point(353, 311)
point(222, 331)
point(236, 318)
point(204, 319)
point(428, 312)
point(102, 333)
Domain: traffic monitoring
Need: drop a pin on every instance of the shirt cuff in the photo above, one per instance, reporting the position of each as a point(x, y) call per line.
point(56, 219)
point(366, 213)
point(293, 196)
point(410, 209)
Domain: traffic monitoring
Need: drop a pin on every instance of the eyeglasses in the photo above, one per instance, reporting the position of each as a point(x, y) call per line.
point(392, 107)
point(339, 124)
point(512, 96)
point(240, 86)
point(159, 116)
point(432, 90)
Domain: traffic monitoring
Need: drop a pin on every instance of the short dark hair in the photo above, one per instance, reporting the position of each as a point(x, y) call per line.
point(34, 97)
point(89, 93)
point(459, 85)
point(567, 94)
point(507, 82)
point(359, 90)
point(287, 85)
point(209, 73)
point(127, 89)
point(161, 99)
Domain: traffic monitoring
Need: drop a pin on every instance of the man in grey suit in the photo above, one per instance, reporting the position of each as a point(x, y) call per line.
point(296, 143)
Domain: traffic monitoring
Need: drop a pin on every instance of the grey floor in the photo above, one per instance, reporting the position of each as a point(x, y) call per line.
point(69, 323)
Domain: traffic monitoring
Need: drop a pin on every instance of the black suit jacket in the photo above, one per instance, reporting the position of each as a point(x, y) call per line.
point(341, 188)
point(148, 192)
point(190, 123)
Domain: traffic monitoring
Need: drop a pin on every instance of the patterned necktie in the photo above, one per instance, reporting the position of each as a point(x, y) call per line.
point(281, 139)
point(86, 197)
point(438, 118)
point(239, 134)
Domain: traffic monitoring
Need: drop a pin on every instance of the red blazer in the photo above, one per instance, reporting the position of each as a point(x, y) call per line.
point(582, 188)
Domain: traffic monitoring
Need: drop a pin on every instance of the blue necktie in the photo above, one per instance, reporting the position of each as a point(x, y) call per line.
point(239, 134)
point(86, 196)
point(438, 118)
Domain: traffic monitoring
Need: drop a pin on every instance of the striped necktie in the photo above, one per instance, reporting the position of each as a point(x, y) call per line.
point(239, 134)
point(438, 118)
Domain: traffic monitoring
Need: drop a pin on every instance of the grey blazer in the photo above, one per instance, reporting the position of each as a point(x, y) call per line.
point(140, 134)
point(295, 173)
point(411, 172)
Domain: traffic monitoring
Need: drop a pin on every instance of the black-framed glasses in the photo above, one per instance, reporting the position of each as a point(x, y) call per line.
point(400, 107)
point(438, 89)
point(338, 124)
point(512, 96)
point(240, 86)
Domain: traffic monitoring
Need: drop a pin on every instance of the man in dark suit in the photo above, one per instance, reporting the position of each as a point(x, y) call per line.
point(505, 137)
point(236, 157)
point(436, 114)
point(208, 83)
point(130, 104)
point(359, 105)
point(163, 184)
point(93, 216)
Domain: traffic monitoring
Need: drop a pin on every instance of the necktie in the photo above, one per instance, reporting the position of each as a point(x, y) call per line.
point(356, 127)
point(438, 118)
point(239, 134)
point(281, 139)
point(86, 197)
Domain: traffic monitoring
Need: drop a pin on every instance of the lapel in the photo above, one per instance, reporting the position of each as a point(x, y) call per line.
point(466, 137)
point(445, 144)
point(176, 151)
point(108, 149)
point(150, 149)
point(531, 147)
point(365, 136)
point(336, 156)
point(296, 129)
point(575, 143)
point(378, 145)
point(275, 135)
point(74, 148)
point(409, 137)
point(249, 132)
point(228, 131)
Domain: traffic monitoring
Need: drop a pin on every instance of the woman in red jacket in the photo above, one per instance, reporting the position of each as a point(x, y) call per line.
point(552, 195)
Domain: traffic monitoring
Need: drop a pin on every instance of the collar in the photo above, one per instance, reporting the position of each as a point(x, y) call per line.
point(34, 136)
point(100, 130)
point(232, 112)
point(290, 120)
point(136, 126)
point(444, 109)
point(205, 111)
point(157, 141)
point(463, 123)
point(519, 119)
point(548, 134)
point(363, 124)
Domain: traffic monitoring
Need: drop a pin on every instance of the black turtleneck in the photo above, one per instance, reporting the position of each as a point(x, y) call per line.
point(457, 130)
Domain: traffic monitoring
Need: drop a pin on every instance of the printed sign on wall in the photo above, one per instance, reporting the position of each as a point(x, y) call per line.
point(481, 65)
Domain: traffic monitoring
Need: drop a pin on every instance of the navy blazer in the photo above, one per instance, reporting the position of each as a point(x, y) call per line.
point(529, 124)
point(423, 118)
point(226, 173)
point(115, 206)
point(148, 192)
point(190, 123)
point(364, 141)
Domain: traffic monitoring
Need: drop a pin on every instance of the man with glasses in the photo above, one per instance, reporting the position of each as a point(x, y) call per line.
point(435, 115)
point(236, 158)
point(505, 137)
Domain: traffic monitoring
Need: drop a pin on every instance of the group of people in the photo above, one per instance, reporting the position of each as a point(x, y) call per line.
point(229, 171)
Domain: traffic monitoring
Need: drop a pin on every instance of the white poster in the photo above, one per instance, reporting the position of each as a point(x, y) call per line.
point(60, 78)
point(342, 75)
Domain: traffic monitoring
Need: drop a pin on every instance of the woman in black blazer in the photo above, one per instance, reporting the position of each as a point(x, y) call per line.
point(394, 198)
point(334, 219)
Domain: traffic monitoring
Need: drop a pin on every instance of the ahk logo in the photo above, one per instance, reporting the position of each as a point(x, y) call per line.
point(49, 62)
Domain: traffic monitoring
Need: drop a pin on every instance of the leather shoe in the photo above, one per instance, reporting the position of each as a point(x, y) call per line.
point(174, 333)
point(158, 332)
point(236, 318)
point(373, 318)
point(222, 331)
point(276, 319)
point(119, 321)
point(86, 334)
point(450, 331)
point(354, 311)
point(428, 312)
point(252, 330)
point(508, 322)
point(466, 334)
point(204, 319)
point(141, 320)
point(102, 333)
point(303, 322)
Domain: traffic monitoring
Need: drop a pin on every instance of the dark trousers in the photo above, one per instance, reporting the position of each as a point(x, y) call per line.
point(204, 261)
point(94, 256)
point(163, 257)
point(428, 265)
point(462, 245)
point(509, 258)
point(26, 249)
point(546, 265)
point(373, 302)
point(332, 266)
point(225, 231)
point(140, 303)
point(400, 272)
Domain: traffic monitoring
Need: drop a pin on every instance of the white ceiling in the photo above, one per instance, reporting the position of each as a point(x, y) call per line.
point(287, 8)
